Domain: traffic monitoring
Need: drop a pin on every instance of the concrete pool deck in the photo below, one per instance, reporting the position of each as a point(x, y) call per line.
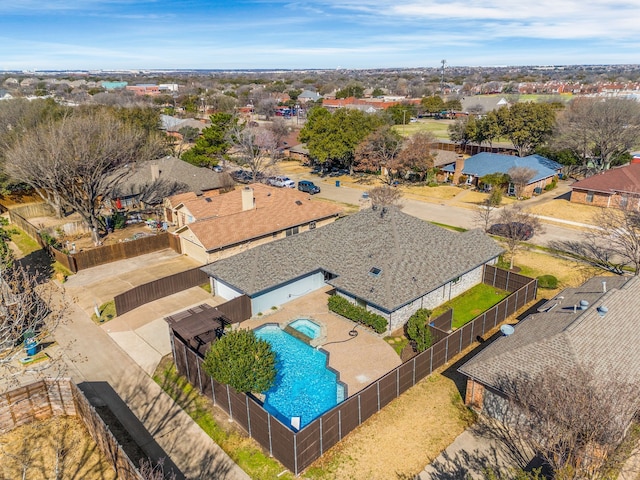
point(359, 360)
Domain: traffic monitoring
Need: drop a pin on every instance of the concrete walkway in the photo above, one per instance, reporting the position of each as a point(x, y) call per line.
point(110, 377)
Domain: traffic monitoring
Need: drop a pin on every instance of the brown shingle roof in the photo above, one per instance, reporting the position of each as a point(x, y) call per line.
point(222, 222)
point(623, 179)
point(559, 339)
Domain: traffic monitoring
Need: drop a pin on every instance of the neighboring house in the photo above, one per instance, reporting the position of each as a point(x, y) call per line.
point(477, 166)
point(113, 85)
point(143, 89)
point(482, 104)
point(618, 187)
point(215, 226)
point(309, 96)
point(148, 183)
point(593, 327)
point(173, 125)
point(384, 260)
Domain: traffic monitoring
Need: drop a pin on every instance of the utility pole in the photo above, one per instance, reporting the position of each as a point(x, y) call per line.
point(443, 62)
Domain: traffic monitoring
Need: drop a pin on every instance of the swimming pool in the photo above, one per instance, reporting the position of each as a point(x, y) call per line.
point(307, 327)
point(304, 386)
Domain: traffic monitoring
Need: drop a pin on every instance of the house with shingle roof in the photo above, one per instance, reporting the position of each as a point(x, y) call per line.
point(150, 182)
point(618, 187)
point(485, 163)
point(382, 259)
point(218, 225)
point(593, 327)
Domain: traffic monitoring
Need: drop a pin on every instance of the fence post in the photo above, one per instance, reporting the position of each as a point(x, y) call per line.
point(229, 402)
point(246, 399)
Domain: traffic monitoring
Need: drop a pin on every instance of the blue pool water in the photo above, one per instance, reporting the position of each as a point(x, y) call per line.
point(304, 386)
point(306, 326)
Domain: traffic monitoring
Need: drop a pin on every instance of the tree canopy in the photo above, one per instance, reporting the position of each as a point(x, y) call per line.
point(243, 361)
point(77, 161)
point(526, 124)
point(214, 142)
point(335, 136)
point(598, 131)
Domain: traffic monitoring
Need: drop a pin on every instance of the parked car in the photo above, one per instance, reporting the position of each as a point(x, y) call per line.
point(308, 186)
point(281, 181)
point(515, 230)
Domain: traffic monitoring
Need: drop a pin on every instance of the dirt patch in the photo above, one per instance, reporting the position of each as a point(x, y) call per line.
point(39, 448)
point(19, 199)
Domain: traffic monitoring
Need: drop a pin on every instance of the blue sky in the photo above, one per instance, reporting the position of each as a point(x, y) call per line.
point(217, 34)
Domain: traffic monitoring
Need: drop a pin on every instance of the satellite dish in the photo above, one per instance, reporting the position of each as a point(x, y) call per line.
point(507, 330)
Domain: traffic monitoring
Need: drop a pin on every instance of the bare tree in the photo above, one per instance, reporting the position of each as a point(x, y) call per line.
point(520, 177)
point(385, 195)
point(279, 128)
point(516, 225)
point(598, 130)
point(150, 471)
point(255, 148)
point(416, 155)
point(614, 244)
point(29, 313)
point(77, 161)
point(486, 209)
point(571, 418)
point(378, 151)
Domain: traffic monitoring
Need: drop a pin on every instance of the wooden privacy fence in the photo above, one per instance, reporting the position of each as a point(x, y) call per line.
point(297, 450)
point(61, 397)
point(99, 255)
point(137, 296)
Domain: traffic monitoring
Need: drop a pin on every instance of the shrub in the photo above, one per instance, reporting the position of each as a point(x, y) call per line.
point(418, 330)
point(243, 361)
point(344, 307)
point(547, 281)
point(119, 221)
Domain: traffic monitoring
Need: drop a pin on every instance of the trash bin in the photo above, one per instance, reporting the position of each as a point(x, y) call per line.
point(337, 183)
point(30, 346)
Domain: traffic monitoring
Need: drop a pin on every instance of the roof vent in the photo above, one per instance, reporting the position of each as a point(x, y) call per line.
point(298, 202)
point(375, 271)
point(602, 310)
point(507, 330)
point(604, 286)
point(584, 304)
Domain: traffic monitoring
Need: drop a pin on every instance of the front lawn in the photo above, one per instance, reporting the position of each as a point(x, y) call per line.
point(471, 303)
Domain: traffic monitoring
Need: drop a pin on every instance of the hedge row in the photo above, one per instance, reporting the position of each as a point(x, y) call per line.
point(344, 307)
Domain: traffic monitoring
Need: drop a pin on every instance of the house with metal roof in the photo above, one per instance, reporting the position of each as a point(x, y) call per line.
point(593, 327)
point(382, 259)
point(618, 187)
point(485, 163)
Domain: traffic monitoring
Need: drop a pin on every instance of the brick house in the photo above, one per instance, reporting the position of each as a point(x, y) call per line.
point(572, 330)
point(384, 260)
point(618, 187)
point(218, 225)
point(485, 163)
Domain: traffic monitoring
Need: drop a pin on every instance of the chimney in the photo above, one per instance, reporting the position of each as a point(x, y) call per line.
point(248, 202)
point(458, 169)
point(155, 172)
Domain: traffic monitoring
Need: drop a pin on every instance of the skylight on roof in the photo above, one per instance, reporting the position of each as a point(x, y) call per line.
point(375, 271)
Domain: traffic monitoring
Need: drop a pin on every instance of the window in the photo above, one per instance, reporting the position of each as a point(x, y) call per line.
point(589, 197)
point(292, 231)
point(361, 303)
point(624, 200)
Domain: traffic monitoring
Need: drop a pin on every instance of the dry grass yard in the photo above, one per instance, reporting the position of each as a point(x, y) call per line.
point(56, 448)
point(565, 210)
point(401, 439)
